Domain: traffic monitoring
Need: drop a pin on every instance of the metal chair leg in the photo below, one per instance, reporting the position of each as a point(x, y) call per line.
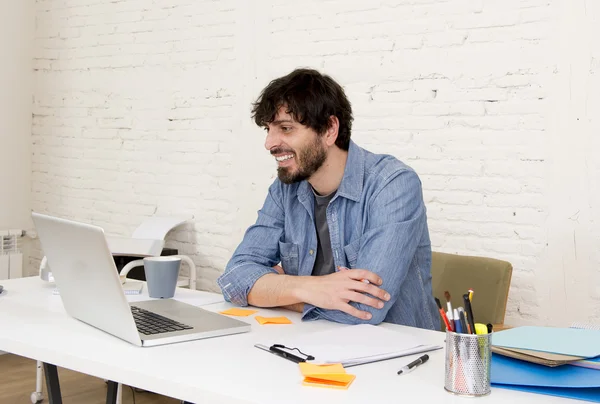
point(38, 396)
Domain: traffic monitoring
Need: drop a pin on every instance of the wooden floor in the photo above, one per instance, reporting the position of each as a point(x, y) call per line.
point(17, 382)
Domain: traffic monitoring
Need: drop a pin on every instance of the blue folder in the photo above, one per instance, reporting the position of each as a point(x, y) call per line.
point(562, 381)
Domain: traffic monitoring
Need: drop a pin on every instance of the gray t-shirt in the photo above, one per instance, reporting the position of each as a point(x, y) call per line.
point(324, 261)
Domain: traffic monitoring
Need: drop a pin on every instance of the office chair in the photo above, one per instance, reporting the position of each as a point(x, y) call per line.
point(488, 277)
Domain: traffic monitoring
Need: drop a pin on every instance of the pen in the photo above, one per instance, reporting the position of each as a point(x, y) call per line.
point(275, 349)
point(411, 366)
point(463, 321)
point(469, 310)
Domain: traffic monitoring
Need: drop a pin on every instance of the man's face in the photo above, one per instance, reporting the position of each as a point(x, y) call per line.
point(298, 150)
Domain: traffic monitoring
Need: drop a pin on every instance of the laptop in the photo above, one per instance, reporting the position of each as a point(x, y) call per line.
point(91, 291)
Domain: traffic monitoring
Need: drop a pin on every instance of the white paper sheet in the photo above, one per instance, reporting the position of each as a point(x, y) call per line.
point(356, 344)
point(157, 227)
point(134, 247)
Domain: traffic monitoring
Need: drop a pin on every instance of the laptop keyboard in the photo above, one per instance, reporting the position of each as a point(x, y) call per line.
point(149, 323)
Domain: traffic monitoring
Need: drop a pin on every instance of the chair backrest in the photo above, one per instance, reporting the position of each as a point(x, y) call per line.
point(488, 277)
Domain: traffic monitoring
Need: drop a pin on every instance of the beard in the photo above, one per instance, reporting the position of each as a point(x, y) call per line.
point(309, 160)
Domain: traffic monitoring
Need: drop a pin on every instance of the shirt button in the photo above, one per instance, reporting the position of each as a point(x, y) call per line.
point(311, 252)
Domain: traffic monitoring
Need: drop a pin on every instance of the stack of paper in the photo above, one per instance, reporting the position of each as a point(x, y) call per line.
point(564, 341)
point(538, 360)
point(356, 345)
point(537, 357)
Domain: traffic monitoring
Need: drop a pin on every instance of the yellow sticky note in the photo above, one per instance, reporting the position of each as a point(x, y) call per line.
point(332, 376)
point(238, 312)
point(272, 320)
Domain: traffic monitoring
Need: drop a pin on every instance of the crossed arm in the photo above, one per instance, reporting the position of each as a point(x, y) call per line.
point(342, 296)
point(332, 292)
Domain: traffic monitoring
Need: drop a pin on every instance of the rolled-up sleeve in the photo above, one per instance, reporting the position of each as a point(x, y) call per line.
point(257, 253)
point(396, 224)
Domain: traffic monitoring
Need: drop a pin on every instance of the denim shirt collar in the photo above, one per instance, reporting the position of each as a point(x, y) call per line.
point(351, 186)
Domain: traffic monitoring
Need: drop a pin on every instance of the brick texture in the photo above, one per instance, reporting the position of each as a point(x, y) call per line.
point(142, 108)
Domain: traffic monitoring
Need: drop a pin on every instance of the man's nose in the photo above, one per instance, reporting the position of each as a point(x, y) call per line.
point(272, 139)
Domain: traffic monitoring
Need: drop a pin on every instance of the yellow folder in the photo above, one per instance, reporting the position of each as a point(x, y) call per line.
point(332, 376)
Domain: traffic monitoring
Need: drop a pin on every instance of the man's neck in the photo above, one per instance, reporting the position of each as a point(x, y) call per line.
point(329, 177)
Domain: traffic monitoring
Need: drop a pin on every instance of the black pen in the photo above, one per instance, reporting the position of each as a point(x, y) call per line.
point(411, 366)
point(277, 350)
point(469, 309)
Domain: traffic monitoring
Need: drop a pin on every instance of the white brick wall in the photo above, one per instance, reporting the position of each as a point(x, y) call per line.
point(142, 108)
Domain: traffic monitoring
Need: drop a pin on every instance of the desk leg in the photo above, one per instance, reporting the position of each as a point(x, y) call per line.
point(52, 384)
point(111, 392)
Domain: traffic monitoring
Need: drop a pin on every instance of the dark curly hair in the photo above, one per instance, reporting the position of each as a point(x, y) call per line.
point(311, 98)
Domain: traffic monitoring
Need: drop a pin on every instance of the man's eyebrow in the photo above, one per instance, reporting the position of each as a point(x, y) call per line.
point(279, 122)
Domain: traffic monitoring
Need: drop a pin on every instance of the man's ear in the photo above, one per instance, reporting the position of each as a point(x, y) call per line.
point(331, 133)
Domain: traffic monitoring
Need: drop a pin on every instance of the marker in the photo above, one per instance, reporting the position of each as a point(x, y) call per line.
point(481, 329)
point(457, 324)
point(413, 365)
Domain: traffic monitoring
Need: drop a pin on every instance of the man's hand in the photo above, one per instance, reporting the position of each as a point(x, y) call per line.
point(336, 290)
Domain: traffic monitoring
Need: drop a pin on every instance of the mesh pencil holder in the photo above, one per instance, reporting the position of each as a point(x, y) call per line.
point(468, 364)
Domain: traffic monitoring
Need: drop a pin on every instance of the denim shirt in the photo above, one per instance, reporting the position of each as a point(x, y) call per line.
point(377, 221)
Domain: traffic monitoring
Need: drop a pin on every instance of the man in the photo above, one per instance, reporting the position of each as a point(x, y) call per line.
point(348, 226)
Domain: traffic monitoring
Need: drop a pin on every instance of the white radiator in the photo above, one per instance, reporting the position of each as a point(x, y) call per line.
point(11, 257)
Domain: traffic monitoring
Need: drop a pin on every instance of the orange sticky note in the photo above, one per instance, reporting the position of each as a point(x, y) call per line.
point(332, 376)
point(272, 320)
point(238, 312)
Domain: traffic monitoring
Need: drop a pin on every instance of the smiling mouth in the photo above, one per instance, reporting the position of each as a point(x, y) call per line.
point(284, 158)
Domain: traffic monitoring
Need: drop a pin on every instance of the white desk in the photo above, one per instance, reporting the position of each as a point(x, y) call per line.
point(228, 369)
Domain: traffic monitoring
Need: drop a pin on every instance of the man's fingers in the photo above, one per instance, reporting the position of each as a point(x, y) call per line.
point(370, 289)
point(364, 299)
point(353, 311)
point(363, 274)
